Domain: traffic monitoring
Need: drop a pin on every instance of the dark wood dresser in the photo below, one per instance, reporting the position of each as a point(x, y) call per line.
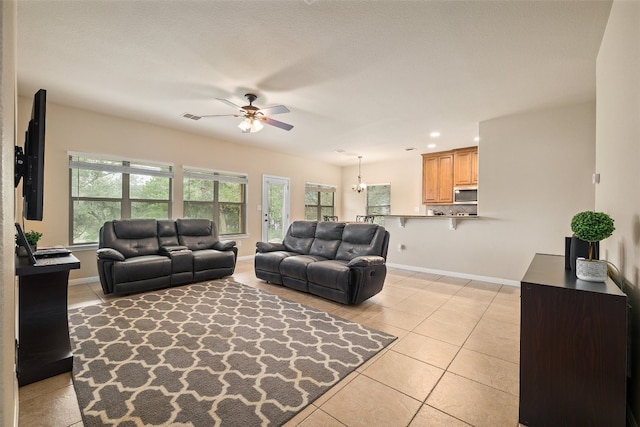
point(573, 348)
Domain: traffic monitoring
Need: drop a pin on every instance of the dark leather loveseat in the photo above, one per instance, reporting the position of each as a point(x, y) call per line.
point(138, 255)
point(343, 262)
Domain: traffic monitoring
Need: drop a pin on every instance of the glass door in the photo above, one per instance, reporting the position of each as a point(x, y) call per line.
point(275, 207)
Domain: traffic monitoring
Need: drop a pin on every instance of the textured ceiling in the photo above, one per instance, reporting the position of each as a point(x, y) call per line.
point(369, 78)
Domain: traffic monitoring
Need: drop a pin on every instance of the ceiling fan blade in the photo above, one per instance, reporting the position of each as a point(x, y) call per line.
point(276, 123)
point(276, 109)
point(229, 103)
point(222, 115)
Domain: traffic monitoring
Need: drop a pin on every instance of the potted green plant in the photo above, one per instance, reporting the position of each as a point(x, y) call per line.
point(32, 237)
point(591, 227)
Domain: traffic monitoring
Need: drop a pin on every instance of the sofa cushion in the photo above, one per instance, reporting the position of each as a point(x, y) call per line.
point(141, 268)
point(135, 228)
point(361, 239)
point(210, 259)
point(331, 274)
point(194, 227)
point(134, 237)
point(327, 239)
point(197, 234)
point(270, 261)
point(296, 266)
point(167, 233)
point(300, 236)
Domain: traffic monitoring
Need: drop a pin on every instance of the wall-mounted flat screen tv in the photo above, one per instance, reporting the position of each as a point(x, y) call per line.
point(29, 165)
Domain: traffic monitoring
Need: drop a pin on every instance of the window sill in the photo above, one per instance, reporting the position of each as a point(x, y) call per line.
point(83, 247)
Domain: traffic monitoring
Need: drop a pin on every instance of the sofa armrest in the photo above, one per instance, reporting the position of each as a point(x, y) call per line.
point(110, 253)
point(224, 245)
point(269, 247)
point(166, 250)
point(366, 261)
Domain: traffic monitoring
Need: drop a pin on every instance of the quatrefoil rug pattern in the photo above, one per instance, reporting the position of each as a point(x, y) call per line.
point(209, 354)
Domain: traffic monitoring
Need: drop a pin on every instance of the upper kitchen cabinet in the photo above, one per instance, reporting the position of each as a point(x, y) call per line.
point(465, 166)
point(437, 177)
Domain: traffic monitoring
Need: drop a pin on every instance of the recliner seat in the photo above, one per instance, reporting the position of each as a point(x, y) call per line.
point(137, 255)
point(343, 262)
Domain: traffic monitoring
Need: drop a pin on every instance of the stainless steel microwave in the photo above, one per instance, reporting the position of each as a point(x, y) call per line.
point(465, 195)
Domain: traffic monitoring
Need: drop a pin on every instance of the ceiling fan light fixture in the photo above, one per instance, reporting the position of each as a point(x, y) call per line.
point(250, 125)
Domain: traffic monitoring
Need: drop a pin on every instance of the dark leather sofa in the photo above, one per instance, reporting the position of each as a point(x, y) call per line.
point(138, 255)
point(343, 262)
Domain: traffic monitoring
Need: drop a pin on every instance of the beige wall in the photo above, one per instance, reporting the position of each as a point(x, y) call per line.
point(618, 161)
point(534, 173)
point(404, 176)
point(70, 129)
point(8, 382)
point(547, 157)
point(527, 164)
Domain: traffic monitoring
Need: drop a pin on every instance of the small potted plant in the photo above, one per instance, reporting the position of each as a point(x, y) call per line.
point(591, 227)
point(32, 237)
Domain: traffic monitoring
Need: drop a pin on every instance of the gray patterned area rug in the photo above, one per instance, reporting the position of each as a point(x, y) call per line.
point(208, 354)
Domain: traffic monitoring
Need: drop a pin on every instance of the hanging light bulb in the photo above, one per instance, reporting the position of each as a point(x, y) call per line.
point(361, 186)
point(256, 126)
point(245, 125)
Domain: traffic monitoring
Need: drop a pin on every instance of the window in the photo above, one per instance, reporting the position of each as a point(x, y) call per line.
point(318, 201)
point(219, 196)
point(103, 189)
point(379, 201)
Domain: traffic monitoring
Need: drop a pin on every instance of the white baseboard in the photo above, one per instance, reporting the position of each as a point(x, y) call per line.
point(499, 280)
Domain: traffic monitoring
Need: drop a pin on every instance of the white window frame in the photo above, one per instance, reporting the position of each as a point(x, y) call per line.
point(143, 167)
point(218, 176)
point(320, 188)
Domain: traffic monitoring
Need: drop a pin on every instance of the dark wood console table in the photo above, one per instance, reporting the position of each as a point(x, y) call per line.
point(573, 348)
point(44, 349)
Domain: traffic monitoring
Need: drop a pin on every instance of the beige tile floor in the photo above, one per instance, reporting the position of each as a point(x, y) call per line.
point(455, 362)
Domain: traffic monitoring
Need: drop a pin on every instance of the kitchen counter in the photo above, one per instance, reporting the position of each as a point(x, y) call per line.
point(452, 219)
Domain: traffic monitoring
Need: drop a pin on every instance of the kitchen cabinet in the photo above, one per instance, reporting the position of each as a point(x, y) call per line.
point(465, 167)
point(437, 178)
point(573, 348)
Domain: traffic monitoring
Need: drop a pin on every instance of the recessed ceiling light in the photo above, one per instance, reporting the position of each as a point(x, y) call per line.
point(339, 150)
point(431, 146)
point(434, 134)
point(476, 139)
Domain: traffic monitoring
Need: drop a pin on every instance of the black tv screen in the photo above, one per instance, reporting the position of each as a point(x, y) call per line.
point(33, 167)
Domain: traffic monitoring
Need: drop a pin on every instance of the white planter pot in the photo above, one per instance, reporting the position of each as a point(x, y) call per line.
point(22, 252)
point(591, 271)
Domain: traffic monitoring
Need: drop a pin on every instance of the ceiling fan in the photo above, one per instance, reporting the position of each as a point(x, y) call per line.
point(252, 117)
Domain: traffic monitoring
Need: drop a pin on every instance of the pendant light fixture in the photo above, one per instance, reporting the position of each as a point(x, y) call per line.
point(360, 187)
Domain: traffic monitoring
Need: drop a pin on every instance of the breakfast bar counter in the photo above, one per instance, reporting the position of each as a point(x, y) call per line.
point(452, 219)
